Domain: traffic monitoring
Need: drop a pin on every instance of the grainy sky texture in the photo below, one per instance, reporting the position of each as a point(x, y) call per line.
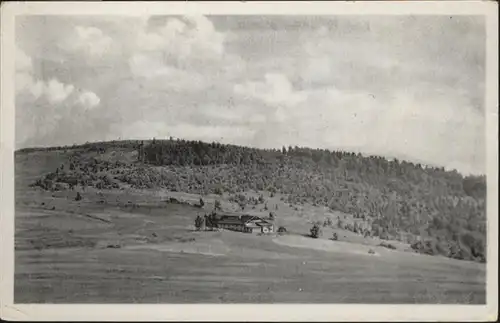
point(410, 87)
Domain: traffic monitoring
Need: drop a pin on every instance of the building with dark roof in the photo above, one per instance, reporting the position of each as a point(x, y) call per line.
point(245, 223)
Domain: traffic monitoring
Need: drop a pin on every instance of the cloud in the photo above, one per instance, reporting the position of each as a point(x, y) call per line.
point(152, 69)
point(23, 61)
point(54, 90)
point(274, 89)
point(182, 54)
point(89, 99)
point(180, 69)
point(46, 110)
point(183, 43)
point(229, 114)
point(89, 40)
point(23, 69)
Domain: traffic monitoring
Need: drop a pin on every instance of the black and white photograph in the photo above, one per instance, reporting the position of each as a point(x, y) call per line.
point(217, 157)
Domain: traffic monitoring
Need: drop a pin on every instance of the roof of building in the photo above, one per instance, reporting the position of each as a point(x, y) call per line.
point(228, 214)
point(243, 220)
point(231, 221)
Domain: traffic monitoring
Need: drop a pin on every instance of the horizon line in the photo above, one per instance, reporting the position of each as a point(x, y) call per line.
point(173, 138)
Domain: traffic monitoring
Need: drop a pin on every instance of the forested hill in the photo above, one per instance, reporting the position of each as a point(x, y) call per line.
point(439, 211)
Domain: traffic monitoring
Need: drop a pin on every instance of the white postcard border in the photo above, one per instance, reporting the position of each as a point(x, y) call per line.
point(265, 312)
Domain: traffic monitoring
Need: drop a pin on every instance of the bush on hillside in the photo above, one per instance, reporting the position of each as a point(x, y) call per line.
point(199, 223)
point(316, 231)
point(387, 245)
point(218, 190)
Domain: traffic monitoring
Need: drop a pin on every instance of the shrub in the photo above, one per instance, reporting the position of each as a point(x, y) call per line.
point(61, 186)
point(316, 231)
point(281, 230)
point(218, 190)
point(174, 200)
point(387, 245)
point(272, 190)
point(241, 198)
point(428, 247)
point(217, 205)
point(199, 223)
point(384, 235)
point(242, 206)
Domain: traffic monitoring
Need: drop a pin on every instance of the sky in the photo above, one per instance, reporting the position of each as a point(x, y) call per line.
point(406, 87)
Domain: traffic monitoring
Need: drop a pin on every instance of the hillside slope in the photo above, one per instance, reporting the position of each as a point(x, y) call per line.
point(437, 211)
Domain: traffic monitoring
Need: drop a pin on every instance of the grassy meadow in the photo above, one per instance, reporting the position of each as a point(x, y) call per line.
point(127, 244)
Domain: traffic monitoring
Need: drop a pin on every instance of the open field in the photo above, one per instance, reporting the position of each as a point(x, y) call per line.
point(129, 245)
